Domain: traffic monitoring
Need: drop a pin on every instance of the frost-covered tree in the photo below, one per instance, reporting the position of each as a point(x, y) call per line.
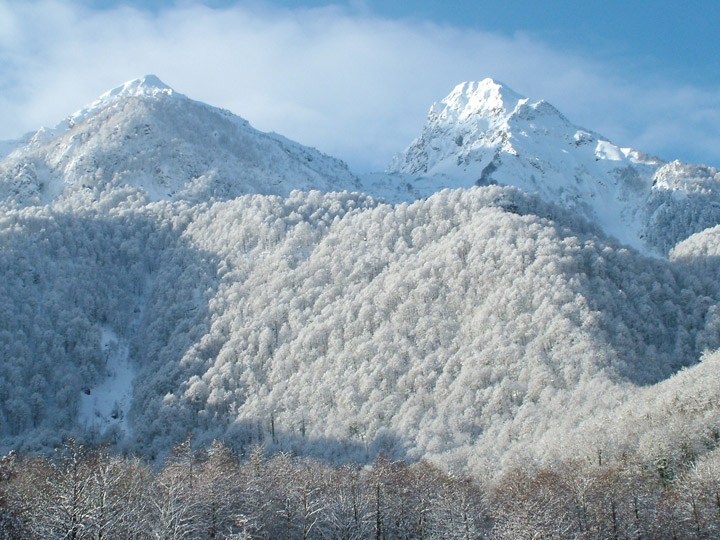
point(471, 328)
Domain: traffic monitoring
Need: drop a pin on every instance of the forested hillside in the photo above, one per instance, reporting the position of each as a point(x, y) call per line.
point(473, 326)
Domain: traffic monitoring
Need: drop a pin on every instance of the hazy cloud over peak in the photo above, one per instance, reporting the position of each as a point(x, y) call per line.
point(353, 84)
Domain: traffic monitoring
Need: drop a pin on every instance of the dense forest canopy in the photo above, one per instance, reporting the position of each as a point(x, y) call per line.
point(472, 327)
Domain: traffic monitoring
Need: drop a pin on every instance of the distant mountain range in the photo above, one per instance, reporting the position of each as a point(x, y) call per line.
point(146, 135)
point(168, 270)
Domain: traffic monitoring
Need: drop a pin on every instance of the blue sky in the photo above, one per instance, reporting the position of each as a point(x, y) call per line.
point(678, 39)
point(356, 79)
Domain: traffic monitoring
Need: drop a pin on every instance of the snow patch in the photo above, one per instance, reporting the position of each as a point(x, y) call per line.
point(8, 147)
point(107, 404)
point(607, 150)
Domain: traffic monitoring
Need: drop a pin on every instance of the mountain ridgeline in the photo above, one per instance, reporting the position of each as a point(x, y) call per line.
point(472, 306)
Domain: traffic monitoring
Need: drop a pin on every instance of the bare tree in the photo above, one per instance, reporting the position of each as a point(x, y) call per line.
point(60, 494)
point(217, 494)
point(173, 506)
point(347, 505)
point(13, 510)
point(120, 497)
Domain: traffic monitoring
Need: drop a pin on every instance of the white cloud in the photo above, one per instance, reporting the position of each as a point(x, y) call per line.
point(353, 85)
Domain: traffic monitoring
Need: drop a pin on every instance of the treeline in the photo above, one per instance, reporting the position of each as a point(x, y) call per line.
point(80, 493)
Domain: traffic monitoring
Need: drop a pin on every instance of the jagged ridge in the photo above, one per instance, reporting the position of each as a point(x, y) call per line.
point(485, 133)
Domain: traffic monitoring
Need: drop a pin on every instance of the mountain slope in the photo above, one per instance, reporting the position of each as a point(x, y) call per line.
point(146, 135)
point(471, 327)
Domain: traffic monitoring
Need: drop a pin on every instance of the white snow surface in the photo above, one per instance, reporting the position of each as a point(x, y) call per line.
point(107, 404)
point(7, 147)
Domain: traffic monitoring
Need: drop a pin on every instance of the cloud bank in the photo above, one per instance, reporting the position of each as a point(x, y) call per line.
point(352, 84)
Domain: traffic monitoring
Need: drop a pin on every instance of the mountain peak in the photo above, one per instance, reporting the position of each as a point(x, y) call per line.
point(488, 97)
point(149, 86)
point(485, 133)
point(474, 116)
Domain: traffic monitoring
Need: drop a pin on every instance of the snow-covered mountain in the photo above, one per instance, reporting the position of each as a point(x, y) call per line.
point(485, 133)
point(474, 326)
point(146, 135)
